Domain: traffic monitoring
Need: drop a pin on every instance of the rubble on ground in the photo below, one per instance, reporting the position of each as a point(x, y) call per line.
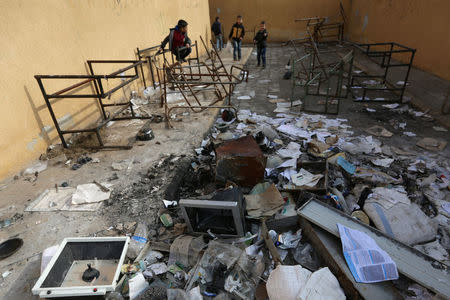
point(278, 164)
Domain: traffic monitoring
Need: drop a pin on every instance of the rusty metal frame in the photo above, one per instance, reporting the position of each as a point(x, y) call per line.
point(387, 64)
point(189, 84)
point(319, 28)
point(150, 54)
point(100, 94)
point(339, 72)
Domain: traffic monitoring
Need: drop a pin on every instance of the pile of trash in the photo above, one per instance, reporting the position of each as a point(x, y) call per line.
point(242, 219)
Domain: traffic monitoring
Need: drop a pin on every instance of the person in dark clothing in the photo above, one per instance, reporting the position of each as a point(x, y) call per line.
point(261, 44)
point(237, 34)
point(217, 30)
point(179, 42)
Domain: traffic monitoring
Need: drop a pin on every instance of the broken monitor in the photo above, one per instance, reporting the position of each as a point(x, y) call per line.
point(222, 215)
point(83, 267)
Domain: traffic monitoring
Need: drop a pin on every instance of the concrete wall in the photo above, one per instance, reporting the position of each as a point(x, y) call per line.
point(419, 24)
point(57, 37)
point(279, 15)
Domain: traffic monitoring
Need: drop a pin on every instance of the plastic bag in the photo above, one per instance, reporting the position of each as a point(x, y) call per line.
point(178, 294)
point(303, 255)
point(229, 47)
point(47, 256)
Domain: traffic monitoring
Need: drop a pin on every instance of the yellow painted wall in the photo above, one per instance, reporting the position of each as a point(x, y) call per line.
point(279, 15)
point(57, 37)
point(423, 25)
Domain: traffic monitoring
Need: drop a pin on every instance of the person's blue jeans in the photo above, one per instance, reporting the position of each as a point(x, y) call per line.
point(237, 48)
point(219, 42)
point(261, 55)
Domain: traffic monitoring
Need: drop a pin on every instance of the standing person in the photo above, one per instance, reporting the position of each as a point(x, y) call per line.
point(217, 30)
point(237, 34)
point(179, 42)
point(261, 45)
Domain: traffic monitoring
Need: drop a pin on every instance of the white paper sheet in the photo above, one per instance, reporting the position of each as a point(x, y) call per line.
point(367, 262)
point(90, 193)
point(290, 163)
point(305, 179)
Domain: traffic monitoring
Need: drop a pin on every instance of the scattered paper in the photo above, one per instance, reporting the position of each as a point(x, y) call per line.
point(290, 163)
point(446, 207)
point(367, 262)
point(137, 285)
point(168, 203)
point(283, 104)
point(90, 193)
point(361, 98)
point(409, 133)
point(382, 162)
point(371, 82)
point(293, 130)
point(281, 110)
point(292, 150)
point(305, 179)
point(391, 106)
point(297, 103)
point(379, 131)
point(432, 144)
point(263, 200)
point(371, 110)
point(244, 98)
point(241, 126)
point(36, 168)
point(272, 96)
point(155, 269)
point(439, 128)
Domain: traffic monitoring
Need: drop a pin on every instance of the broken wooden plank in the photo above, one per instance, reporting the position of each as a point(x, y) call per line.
point(410, 262)
point(330, 250)
point(269, 244)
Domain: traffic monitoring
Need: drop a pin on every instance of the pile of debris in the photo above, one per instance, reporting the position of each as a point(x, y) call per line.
point(258, 212)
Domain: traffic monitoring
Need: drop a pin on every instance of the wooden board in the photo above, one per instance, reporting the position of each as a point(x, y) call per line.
point(410, 262)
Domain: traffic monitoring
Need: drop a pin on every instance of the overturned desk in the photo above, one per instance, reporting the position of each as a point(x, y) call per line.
point(99, 93)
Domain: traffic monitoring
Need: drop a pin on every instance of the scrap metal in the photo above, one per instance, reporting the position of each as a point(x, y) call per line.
point(240, 161)
point(100, 94)
point(182, 79)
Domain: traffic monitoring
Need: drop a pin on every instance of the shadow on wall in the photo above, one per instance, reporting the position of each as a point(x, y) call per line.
point(40, 124)
point(48, 132)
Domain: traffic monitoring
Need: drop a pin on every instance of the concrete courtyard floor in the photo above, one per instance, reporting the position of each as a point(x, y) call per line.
point(40, 230)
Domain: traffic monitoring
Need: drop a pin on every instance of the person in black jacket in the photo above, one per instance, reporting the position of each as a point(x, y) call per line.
point(237, 34)
point(179, 42)
point(261, 44)
point(217, 30)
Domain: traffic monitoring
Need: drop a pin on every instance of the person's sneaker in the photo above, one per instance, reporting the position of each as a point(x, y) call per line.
point(264, 66)
point(234, 58)
point(183, 60)
point(258, 65)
